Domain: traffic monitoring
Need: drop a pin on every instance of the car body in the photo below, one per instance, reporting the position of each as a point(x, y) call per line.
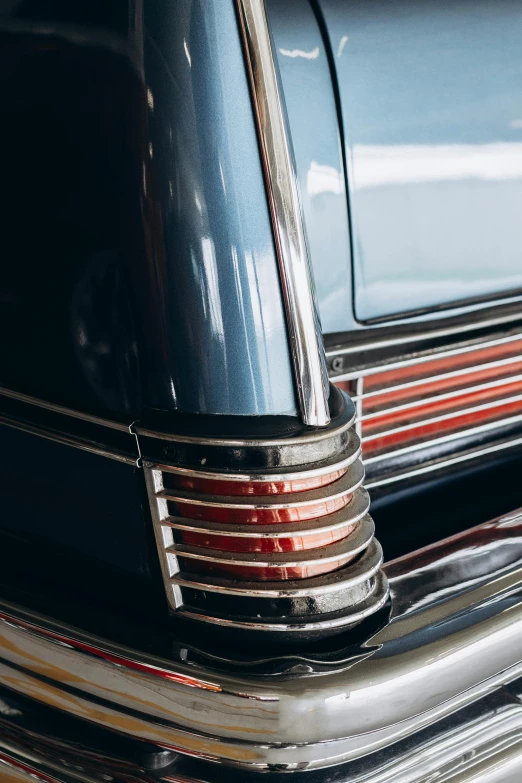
point(260, 269)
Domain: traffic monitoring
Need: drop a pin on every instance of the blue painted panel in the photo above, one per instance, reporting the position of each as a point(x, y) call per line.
point(310, 104)
point(431, 95)
point(140, 264)
point(226, 342)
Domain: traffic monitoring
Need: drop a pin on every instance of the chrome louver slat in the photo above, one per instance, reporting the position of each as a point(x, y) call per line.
point(281, 550)
point(437, 407)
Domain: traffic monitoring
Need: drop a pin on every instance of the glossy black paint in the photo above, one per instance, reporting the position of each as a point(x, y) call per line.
point(71, 182)
point(75, 527)
point(120, 294)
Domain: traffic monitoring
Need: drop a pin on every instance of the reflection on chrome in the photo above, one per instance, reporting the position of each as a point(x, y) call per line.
point(302, 314)
point(453, 638)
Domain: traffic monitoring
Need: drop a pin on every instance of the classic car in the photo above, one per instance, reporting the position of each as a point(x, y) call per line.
point(261, 267)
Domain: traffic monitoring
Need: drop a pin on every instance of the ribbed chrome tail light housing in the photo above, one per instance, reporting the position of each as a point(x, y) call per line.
point(268, 535)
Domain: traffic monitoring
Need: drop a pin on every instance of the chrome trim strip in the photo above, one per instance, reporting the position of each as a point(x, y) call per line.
point(456, 393)
point(376, 599)
point(455, 414)
point(352, 450)
point(348, 483)
point(433, 355)
point(420, 336)
point(17, 766)
point(63, 410)
point(482, 744)
point(351, 545)
point(484, 747)
point(454, 636)
point(439, 377)
point(492, 425)
point(312, 437)
point(445, 462)
point(65, 440)
point(352, 512)
point(365, 567)
point(289, 231)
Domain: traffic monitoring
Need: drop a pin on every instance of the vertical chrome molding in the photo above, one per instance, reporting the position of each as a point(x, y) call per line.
point(289, 231)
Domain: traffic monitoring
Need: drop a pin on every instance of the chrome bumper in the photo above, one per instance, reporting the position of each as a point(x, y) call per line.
point(453, 639)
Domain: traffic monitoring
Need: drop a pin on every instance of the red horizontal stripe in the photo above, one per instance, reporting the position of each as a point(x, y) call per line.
point(222, 487)
point(259, 516)
point(444, 364)
point(290, 544)
point(439, 406)
point(434, 429)
point(400, 396)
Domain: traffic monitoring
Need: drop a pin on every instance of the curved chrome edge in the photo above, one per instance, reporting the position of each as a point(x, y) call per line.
point(482, 744)
point(349, 546)
point(358, 505)
point(133, 428)
point(344, 578)
point(421, 334)
point(67, 441)
point(444, 463)
point(349, 454)
point(296, 440)
point(19, 765)
point(375, 600)
point(289, 231)
point(454, 637)
point(345, 485)
point(50, 406)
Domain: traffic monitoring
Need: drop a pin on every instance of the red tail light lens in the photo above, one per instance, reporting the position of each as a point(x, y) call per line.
point(258, 537)
point(238, 488)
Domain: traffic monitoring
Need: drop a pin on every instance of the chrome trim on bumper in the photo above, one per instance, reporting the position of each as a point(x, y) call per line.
point(454, 636)
point(17, 767)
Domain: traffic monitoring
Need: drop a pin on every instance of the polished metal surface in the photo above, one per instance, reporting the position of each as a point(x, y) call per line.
point(420, 401)
point(19, 766)
point(453, 637)
point(68, 441)
point(348, 483)
point(480, 744)
point(395, 335)
point(453, 414)
point(256, 560)
point(332, 582)
point(128, 441)
point(378, 365)
point(10, 393)
point(305, 607)
point(350, 452)
point(107, 437)
point(430, 466)
point(437, 385)
point(291, 242)
point(358, 506)
point(366, 601)
point(491, 428)
point(347, 548)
